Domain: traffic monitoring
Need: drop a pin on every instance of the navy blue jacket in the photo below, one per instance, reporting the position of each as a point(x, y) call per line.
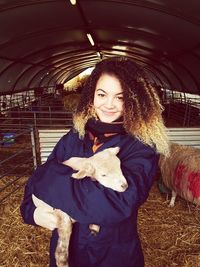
point(117, 244)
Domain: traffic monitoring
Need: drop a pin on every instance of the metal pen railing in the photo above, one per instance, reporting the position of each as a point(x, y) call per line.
point(36, 118)
point(16, 160)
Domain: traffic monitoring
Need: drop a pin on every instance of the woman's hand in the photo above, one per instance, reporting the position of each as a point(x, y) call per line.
point(45, 217)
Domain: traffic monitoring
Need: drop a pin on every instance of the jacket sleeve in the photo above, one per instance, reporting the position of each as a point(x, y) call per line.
point(27, 206)
point(38, 184)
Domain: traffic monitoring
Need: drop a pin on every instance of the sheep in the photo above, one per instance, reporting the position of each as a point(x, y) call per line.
point(103, 167)
point(181, 173)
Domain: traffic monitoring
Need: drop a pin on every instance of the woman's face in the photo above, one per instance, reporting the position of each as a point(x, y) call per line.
point(108, 98)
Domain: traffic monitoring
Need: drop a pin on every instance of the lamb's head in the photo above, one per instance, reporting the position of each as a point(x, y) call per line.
point(105, 167)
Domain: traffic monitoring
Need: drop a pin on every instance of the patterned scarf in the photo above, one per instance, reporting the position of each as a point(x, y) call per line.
point(100, 132)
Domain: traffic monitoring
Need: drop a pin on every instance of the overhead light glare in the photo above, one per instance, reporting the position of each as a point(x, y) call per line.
point(98, 54)
point(73, 2)
point(89, 36)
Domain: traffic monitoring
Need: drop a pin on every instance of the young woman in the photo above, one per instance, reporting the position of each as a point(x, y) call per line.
point(119, 108)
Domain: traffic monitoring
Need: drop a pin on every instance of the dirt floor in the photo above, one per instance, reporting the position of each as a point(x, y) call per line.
point(170, 236)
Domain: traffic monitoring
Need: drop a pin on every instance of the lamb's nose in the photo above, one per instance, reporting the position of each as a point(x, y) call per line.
point(124, 186)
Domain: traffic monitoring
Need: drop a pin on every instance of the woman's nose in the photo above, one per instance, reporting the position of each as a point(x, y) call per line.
point(109, 103)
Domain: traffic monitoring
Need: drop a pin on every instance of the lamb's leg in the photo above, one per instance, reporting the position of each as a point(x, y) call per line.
point(64, 233)
point(173, 198)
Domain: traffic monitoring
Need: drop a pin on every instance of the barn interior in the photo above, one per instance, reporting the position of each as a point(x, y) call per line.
point(47, 48)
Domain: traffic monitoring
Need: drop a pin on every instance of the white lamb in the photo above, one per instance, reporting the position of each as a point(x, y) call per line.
point(103, 167)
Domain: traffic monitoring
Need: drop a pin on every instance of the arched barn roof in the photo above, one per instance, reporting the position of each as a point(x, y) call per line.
point(44, 42)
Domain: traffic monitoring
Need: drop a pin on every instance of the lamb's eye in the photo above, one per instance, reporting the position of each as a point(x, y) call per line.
point(103, 175)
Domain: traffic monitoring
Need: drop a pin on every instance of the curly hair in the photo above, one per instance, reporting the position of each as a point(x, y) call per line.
point(142, 109)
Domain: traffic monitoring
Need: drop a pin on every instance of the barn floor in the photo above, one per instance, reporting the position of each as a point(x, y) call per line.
point(170, 236)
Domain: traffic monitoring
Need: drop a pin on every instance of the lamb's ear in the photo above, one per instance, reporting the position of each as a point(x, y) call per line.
point(114, 150)
point(86, 170)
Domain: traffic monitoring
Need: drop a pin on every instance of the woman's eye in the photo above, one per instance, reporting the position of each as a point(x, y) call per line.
point(120, 98)
point(101, 95)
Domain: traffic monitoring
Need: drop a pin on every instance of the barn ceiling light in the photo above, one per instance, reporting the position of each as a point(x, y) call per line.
point(89, 36)
point(73, 2)
point(98, 54)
